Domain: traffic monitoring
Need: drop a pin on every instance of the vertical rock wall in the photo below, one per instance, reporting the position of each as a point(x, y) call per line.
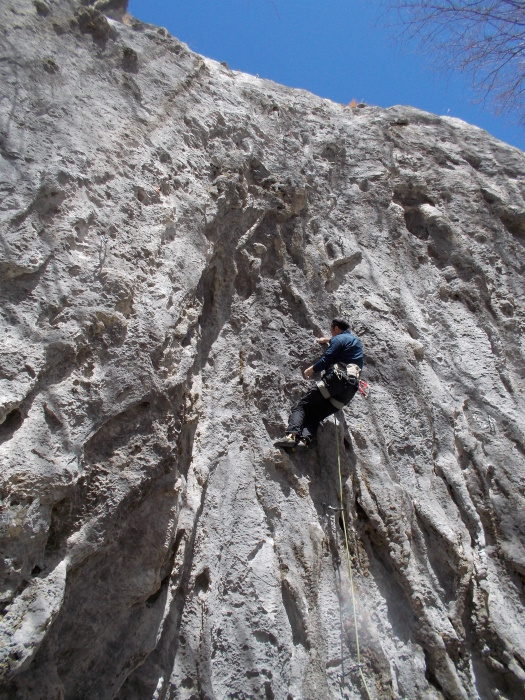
point(173, 235)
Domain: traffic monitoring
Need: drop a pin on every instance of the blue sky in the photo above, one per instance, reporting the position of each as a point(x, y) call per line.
point(335, 48)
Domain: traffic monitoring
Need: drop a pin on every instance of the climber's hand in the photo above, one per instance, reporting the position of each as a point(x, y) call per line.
point(323, 341)
point(308, 373)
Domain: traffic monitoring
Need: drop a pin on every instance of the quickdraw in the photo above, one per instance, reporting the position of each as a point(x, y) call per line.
point(364, 388)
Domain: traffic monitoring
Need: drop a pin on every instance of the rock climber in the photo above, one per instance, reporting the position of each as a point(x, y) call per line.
point(340, 368)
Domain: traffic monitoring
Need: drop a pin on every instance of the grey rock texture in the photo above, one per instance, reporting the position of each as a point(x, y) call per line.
point(173, 235)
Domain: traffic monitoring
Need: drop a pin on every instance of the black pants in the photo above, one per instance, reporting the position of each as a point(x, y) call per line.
point(313, 408)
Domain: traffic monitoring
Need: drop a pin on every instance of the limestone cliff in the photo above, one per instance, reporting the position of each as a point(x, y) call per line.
point(173, 236)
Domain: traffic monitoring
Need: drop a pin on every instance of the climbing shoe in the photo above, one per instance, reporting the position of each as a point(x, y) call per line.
point(302, 444)
point(289, 440)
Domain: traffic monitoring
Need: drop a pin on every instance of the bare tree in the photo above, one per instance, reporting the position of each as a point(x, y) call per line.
point(483, 37)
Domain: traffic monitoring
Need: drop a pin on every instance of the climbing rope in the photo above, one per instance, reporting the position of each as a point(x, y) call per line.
point(359, 664)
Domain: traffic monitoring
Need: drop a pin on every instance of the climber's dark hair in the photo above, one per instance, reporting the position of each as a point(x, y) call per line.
point(340, 323)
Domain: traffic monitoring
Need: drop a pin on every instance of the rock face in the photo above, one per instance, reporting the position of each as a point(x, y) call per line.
point(173, 235)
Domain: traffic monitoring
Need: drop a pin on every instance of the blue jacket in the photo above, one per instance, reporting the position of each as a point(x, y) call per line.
point(345, 347)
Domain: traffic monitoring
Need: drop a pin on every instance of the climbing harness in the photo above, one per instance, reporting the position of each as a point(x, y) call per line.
point(342, 509)
point(336, 378)
point(324, 391)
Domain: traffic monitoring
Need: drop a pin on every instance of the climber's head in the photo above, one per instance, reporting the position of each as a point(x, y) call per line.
point(338, 325)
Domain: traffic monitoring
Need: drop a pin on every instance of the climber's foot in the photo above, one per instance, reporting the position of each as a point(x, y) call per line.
point(289, 440)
